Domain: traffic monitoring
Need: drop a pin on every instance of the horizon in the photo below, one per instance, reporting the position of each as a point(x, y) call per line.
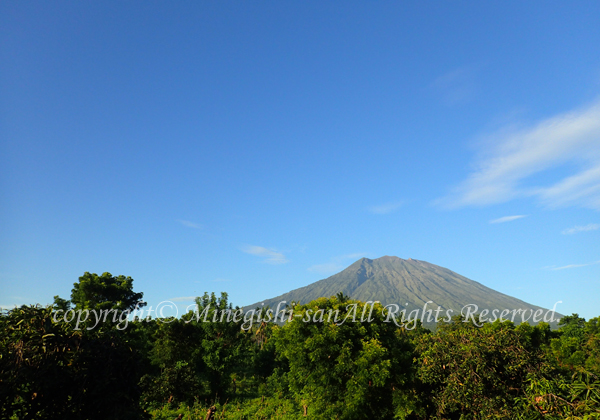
point(258, 148)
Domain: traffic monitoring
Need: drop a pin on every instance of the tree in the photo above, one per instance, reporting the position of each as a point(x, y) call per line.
point(105, 292)
point(50, 370)
point(355, 366)
point(472, 372)
point(569, 348)
point(177, 358)
point(222, 341)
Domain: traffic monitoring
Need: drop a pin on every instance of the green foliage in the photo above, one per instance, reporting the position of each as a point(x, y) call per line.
point(345, 370)
point(205, 353)
point(50, 370)
point(557, 398)
point(176, 357)
point(247, 409)
point(104, 292)
point(336, 359)
point(476, 372)
point(577, 346)
point(571, 388)
point(61, 304)
point(221, 343)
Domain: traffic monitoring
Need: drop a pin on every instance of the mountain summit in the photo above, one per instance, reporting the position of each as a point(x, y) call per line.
point(410, 284)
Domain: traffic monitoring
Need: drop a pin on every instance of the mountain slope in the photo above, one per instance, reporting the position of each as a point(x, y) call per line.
point(407, 283)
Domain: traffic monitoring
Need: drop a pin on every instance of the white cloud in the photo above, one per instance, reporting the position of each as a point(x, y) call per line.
point(386, 208)
point(591, 226)
point(189, 224)
point(570, 140)
point(336, 264)
point(575, 266)
point(507, 219)
point(272, 256)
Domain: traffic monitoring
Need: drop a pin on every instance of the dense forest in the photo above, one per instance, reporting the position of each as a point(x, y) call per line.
point(214, 366)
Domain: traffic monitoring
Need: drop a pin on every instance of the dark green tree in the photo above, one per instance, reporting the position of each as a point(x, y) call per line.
point(176, 355)
point(223, 340)
point(105, 292)
point(49, 370)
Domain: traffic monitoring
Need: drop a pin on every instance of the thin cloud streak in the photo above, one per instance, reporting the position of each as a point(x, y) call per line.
point(18, 301)
point(577, 229)
point(386, 208)
point(271, 256)
point(571, 138)
point(575, 266)
point(507, 219)
point(457, 86)
point(189, 224)
point(183, 299)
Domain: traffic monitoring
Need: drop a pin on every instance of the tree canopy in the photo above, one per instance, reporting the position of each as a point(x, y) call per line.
point(102, 292)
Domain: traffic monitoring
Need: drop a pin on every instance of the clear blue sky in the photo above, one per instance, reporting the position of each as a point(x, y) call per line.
point(256, 147)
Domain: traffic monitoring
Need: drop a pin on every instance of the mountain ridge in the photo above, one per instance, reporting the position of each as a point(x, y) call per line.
point(408, 283)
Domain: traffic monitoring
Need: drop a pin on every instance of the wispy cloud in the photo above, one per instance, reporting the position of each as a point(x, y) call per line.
point(457, 86)
point(17, 301)
point(574, 266)
point(271, 256)
point(507, 218)
point(327, 268)
point(570, 140)
point(189, 224)
point(336, 264)
point(386, 208)
point(576, 229)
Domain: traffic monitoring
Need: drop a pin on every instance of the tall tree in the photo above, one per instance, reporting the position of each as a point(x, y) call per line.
point(222, 341)
point(102, 292)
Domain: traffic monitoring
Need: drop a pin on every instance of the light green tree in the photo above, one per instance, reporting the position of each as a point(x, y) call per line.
point(352, 366)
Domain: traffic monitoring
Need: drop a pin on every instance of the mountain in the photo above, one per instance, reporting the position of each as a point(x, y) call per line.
point(408, 284)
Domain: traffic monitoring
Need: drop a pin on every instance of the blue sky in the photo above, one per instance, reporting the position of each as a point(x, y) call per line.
point(256, 147)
